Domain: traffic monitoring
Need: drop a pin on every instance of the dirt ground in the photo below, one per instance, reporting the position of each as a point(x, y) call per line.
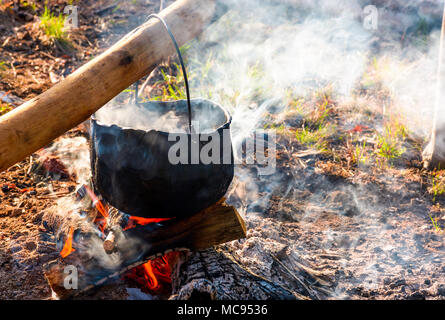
point(320, 226)
point(366, 236)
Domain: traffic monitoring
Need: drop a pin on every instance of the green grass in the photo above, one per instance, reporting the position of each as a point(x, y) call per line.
point(30, 4)
point(295, 103)
point(4, 108)
point(53, 25)
point(315, 138)
point(388, 148)
point(360, 154)
point(435, 224)
point(389, 144)
point(279, 128)
point(437, 187)
point(172, 86)
point(3, 68)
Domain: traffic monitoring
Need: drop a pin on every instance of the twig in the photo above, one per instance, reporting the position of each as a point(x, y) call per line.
point(54, 195)
point(104, 9)
point(310, 291)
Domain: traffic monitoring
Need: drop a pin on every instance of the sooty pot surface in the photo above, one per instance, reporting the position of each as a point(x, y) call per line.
point(131, 167)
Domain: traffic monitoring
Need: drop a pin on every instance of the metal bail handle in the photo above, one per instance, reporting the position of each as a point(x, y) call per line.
point(187, 90)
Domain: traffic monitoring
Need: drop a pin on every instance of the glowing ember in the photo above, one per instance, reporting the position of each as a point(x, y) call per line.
point(149, 276)
point(153, 277)
point(68, 247)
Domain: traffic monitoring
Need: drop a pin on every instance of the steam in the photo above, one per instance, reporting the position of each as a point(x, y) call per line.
point(171, 117)
point(140, 118)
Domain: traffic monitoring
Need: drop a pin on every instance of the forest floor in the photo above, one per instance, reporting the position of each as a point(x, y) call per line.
point(349, 213)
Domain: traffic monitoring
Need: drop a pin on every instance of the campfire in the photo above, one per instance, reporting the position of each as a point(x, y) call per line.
point(134, 170)
point(142, 251)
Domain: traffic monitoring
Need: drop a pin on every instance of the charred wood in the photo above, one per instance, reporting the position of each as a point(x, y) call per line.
point(212, 274)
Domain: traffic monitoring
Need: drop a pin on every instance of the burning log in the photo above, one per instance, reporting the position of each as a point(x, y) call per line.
point(124, 250)
point(217, 224)
point(70, 102)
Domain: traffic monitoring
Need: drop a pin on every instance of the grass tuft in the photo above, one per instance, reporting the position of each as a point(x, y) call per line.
point(53, 25)
point(4, 108)
point(389, 144)
point(437, 187)
point(3, 68)
point(360, 155)
point(316, 138)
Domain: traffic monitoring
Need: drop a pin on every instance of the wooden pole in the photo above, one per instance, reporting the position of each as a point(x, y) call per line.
point(434, 153)
point(37, 122)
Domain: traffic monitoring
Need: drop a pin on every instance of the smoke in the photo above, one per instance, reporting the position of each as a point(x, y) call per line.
point(412, 87)
point(262, 52)
point(74, 154)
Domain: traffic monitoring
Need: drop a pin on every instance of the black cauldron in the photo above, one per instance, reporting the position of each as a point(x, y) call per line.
point(132, 171)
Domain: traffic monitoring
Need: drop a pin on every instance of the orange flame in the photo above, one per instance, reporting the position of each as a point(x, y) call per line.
point(101, 222)
point(149, 276)
point(68, 247)
point(97, 203)
point(153, 276)
point(133, 221)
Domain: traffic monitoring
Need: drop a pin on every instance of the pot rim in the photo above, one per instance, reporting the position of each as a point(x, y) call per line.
point(226, 113)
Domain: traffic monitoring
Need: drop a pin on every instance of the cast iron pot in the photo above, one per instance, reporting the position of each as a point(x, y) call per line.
point(132, 171)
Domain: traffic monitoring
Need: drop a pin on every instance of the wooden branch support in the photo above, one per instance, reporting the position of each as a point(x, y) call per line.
point(70, 102)
point(217, 224)
point(433, 155)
